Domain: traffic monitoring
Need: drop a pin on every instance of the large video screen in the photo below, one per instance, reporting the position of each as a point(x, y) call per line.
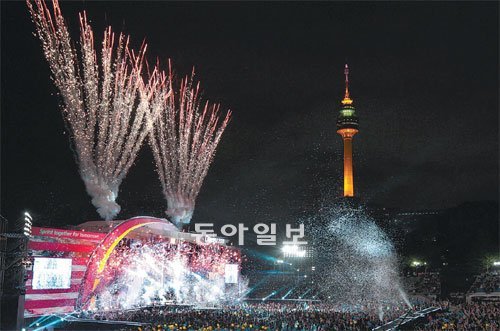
point(51, 273)
point(231, 274)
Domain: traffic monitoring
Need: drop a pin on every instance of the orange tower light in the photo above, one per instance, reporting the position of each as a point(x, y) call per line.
point(347, 127)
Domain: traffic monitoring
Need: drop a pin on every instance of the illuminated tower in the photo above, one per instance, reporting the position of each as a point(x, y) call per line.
point(347, 127)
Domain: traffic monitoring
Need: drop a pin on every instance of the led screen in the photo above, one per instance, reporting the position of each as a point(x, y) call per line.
point(50, 273)
point(231, 274)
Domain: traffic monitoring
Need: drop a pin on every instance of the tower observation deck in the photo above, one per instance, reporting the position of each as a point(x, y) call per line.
point(347, 127)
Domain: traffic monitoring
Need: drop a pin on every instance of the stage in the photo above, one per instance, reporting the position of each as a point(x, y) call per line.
point(91, 266)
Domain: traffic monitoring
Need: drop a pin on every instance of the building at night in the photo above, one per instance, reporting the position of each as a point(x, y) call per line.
point(347, 127)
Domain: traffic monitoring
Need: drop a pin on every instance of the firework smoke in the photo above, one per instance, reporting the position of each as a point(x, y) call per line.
point(358, 260)
point(184, 140)
point(106, 105)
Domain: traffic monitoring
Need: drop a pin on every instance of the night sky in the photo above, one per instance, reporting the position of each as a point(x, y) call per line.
point(424, 79)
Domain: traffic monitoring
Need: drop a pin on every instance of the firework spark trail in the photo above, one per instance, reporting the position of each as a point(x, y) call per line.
point(106, 105)
point(184, 141)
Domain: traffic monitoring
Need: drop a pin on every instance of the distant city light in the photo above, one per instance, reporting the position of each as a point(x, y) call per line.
point(496, 263)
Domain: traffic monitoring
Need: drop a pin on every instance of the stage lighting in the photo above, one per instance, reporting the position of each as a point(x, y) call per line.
point(293, 251)
point(418, 263)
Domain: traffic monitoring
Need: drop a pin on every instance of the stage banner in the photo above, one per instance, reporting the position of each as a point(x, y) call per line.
point(69, 234)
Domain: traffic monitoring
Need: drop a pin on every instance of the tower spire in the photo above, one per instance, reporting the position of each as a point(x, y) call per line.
point(347, 100)
point(347, 127)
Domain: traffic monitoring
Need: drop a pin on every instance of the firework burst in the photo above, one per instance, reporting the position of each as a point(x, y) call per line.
point(184, 140)
point(107, 107)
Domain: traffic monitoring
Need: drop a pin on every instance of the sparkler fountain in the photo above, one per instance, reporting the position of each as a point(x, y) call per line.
point(359, 263)
point(184, 141)
point(106, 105)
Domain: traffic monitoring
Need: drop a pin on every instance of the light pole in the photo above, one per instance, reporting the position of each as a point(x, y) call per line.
point(14, 263)
point(27, 224)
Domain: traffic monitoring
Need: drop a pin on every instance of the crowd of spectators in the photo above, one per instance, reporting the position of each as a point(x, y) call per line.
point(425, 283)
point(284, 316)
point(302, 316)
point(486, 282)
point(473, 316)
